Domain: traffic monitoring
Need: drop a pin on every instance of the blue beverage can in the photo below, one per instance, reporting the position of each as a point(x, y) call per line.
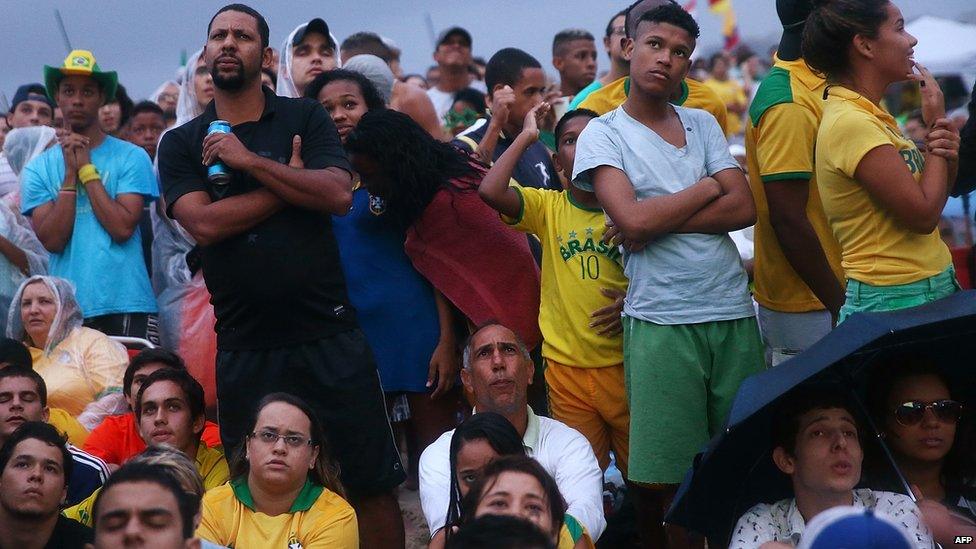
point(218, 173)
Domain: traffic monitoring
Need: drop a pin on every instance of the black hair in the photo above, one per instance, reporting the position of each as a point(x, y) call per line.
point(566, 36)
point(506, 66)
point(632, 16)
point(419, 164)
point(366, 43)
point(959, 465)
point(263, 29)
point(500, 532)
point(187, 504)
point(520, 464)
point(45, 433)
point(575, 113)
point(609, 31)
point(323, 473)
point(474, 97)
point(370, 94)
point(494, 429)
point(478, 60)
point(414, 75)
point(15, 353)
point(786, 422)
point(29, 373)
point(148, 356)
point(830, 29)
point(147, 106)
point(125, 104)
point(271, 74)
point(672, 14)
point(190, 387)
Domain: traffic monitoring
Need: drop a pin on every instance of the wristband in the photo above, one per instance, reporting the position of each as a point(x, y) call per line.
point(88, 173)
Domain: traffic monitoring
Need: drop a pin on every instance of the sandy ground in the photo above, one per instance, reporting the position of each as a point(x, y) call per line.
point(414, 523)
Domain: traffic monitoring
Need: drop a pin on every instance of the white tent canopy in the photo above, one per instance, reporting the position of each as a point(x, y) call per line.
point(945, 46)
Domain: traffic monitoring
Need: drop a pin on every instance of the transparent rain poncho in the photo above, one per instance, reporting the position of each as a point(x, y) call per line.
point(82, 367)
point(186, 317)
point(20, 147)
point(187, 107)
point(286, 85)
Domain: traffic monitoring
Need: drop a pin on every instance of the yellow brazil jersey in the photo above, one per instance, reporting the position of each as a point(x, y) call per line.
point(729, 91)
point(318, 519)
point(876, 249)
point(780, 137)
point(572, 533)
point(694, 95)
point(67, 425)
point(575, 266)
point(210, 463)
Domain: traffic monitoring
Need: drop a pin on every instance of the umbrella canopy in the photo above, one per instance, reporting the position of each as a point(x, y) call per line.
point(735, 471)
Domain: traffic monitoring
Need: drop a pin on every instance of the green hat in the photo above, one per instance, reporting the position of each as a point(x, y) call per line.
point(81, 62)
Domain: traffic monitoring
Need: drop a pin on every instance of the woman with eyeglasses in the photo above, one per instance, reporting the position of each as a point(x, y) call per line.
point(284, 491)
point(928, 433)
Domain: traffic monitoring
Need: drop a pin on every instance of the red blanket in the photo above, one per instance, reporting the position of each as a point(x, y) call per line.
point(482, 266)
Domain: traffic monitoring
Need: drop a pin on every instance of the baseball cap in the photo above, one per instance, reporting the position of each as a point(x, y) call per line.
point(31, 92)
point(81, 62)
point(854, 528)
point(315, 25)
point(445, 34)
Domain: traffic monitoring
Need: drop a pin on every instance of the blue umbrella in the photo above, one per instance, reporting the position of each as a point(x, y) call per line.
point(735, 470)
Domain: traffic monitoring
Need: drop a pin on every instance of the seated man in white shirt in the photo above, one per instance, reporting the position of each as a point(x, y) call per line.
point(497, 371)
point(817, 444)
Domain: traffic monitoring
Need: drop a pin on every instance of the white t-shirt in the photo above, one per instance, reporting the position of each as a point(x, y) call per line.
point(443, 100)
point(678, 278)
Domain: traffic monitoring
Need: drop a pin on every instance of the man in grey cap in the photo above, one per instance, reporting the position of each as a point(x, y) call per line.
point(367, 54)
point(453, 57)
point(308, 51)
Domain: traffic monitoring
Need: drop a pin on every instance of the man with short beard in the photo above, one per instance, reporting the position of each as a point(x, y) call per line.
point(271, 263)
point(34, 471)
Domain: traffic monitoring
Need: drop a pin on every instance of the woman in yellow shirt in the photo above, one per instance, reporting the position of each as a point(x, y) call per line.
point(284, 492)
point(882, 196)
point(82, 368)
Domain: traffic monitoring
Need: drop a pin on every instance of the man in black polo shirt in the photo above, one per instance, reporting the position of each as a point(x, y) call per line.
point(271, 263)
point(516, 83)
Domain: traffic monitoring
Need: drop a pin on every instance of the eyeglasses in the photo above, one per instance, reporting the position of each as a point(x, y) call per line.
point(466, 118)
point(912, 413)
point(271, 438)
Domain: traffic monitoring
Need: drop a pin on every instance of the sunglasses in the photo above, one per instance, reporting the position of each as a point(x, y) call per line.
point(912, 413)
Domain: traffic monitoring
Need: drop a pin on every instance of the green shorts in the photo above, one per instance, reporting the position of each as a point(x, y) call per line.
point(681, 380)
point(863, 297)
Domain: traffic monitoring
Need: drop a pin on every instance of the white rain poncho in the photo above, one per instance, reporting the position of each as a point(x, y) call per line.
point(187, 107)
point(20, 147)
point(286, 85)
point(81, 367)
point(162, 88)
point(186, 317)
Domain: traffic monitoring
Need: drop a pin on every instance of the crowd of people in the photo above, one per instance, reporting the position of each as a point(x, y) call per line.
point(246, 311)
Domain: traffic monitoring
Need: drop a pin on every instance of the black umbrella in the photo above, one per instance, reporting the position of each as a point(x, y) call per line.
point(735, 471)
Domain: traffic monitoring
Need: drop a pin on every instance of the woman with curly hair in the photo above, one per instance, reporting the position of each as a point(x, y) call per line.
point(453, 238)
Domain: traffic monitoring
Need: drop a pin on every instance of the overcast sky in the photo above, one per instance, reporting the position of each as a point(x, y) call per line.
point(142, 40)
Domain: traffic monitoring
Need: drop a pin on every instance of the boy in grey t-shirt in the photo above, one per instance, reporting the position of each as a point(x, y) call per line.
point(665, 178)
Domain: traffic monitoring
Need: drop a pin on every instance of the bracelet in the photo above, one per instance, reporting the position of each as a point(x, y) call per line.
point(88, 173)
point(69, 190)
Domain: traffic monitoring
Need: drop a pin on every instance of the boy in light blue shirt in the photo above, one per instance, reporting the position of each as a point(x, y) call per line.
point(85, 197)
point(664, 176)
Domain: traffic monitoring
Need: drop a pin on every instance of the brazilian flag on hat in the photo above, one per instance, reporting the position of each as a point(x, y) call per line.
point(81, 62)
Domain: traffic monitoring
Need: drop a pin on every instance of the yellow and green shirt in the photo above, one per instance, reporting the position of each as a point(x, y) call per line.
point(694, 95)
point(876, 249)
point(210, 464)
point(576, 264)
point(729, 91)
point(318, 519)
point(780, 139)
